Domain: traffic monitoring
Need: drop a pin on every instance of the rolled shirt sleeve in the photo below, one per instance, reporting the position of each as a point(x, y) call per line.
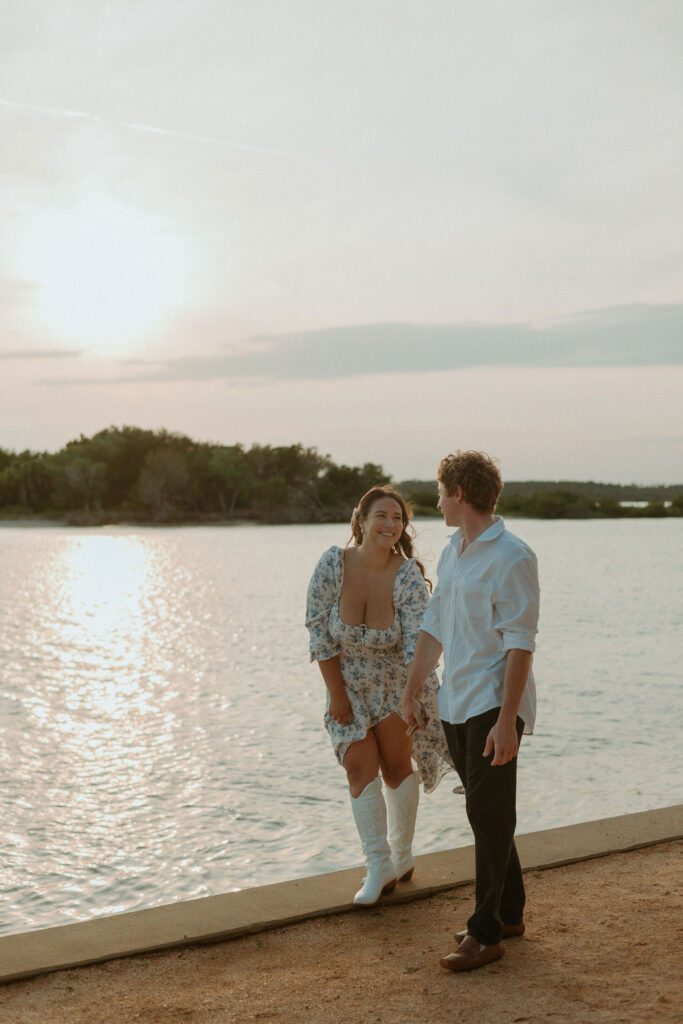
point(321, 595)
point(516, 603)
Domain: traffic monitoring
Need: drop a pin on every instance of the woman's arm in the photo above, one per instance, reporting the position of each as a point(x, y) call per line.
point(322, 592)
point(340, 706)
point(427, 654)
point(421, 651)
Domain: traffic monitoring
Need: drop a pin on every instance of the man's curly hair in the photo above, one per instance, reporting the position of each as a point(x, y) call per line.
point(477, 474)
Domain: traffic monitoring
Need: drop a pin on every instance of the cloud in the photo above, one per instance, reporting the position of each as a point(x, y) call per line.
point(41, 353)
point(630, 336)
point(636, 335)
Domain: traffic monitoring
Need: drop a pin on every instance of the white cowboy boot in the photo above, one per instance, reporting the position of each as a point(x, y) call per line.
point(370, 813)
point(402, 809)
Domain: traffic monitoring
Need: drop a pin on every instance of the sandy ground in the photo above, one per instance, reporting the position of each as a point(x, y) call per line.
point(603, 944)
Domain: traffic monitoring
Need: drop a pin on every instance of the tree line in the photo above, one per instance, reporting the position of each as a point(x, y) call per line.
point(135, 475)
point(130, 474)
point(578, 500)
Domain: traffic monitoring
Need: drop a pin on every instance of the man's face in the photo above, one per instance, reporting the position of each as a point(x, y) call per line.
point(450, 505)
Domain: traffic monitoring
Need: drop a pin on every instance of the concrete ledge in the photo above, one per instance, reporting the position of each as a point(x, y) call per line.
point(229, 916)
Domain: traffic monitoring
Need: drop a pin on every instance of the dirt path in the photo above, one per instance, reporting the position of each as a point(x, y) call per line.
point(603, 946)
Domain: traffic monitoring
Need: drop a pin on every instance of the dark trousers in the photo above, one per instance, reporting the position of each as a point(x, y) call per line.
point(490, 795)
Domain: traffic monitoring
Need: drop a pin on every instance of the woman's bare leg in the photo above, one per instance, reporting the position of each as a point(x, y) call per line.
point(394, 749)
point(361, 763)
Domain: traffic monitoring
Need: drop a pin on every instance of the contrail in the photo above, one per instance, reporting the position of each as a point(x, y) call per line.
point(48, 110)
point(131, 126)
point(201, 138)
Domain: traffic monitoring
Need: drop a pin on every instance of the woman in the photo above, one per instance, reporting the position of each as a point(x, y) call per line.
point(364, 609)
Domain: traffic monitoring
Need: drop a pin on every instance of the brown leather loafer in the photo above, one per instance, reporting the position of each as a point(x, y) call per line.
point(510, 931)
point(470, 954)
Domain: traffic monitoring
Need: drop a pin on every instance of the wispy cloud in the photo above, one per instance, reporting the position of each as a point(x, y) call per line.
point(150, 129)
point(41, 353)
point(639, 335)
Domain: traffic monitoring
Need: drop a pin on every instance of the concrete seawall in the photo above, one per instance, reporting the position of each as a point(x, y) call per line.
point(231, 915)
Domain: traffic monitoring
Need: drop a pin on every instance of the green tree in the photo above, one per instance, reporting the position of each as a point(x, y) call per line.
point(122, 450)
point(548, 505)
point(344, 485)
point(513, 504)
point(229, 478)
point(164, 484)
point(84, 482)
point(423, 498)
point(654, 510)
point(27, 483)
point(610, 508)
point(6, 459)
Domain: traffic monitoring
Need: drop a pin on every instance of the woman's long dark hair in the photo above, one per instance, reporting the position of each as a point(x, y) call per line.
point(404, 545)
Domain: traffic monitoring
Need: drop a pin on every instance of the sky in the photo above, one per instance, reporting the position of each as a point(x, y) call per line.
point(386, 230)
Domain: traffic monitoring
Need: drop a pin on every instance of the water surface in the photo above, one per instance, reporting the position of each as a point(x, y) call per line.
point(161, 729)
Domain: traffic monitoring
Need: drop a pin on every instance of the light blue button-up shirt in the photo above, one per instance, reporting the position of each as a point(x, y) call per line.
point(485, 604)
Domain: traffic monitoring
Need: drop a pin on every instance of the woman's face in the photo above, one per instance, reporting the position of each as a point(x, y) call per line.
point(383, 524)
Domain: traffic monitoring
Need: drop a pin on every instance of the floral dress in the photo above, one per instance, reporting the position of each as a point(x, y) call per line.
point(373, 662)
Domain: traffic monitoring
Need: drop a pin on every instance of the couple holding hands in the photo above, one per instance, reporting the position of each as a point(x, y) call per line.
point(377, 637)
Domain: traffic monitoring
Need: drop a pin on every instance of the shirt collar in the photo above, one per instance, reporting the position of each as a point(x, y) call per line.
point(495, 529)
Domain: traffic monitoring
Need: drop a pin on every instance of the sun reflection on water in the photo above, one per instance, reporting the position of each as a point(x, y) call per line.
point(97, 632)
point(98, 712)
point(135, 687)
point(103, 582)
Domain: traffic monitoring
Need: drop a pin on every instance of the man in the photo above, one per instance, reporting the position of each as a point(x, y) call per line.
point(483, 616)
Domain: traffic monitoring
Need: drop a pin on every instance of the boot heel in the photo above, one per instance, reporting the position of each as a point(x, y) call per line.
point(408, 875)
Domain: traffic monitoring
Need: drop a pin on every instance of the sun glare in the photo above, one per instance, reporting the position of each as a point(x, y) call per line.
point(105, 273)
point(104, 584)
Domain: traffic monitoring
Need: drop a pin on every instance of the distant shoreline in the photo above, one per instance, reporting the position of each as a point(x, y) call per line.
point(103, 523)
point(130, 476)
point(27, 522)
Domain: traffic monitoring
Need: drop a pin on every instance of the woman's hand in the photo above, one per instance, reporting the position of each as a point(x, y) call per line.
point(340, 709)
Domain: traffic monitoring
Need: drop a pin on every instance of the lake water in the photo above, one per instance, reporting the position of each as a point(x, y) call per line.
point(161, 729)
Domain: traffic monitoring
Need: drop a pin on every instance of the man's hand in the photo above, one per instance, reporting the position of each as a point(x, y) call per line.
point(407, 709)
point(502, 740)
point(427, 654)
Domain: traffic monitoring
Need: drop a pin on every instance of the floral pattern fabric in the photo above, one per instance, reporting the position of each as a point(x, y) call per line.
point(374, 662)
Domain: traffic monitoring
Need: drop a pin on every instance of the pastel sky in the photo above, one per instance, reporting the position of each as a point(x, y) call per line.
point(383, 228)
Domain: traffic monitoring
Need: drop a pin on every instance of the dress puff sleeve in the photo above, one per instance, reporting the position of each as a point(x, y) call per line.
point(411, 600)
point(322, 593)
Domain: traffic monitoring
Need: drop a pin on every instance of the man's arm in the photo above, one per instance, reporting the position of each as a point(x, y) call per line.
point(427, 654)
point(516, 617)
point(502, 738)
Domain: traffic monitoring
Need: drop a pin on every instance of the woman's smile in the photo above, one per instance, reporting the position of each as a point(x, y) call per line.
point(385, 519)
